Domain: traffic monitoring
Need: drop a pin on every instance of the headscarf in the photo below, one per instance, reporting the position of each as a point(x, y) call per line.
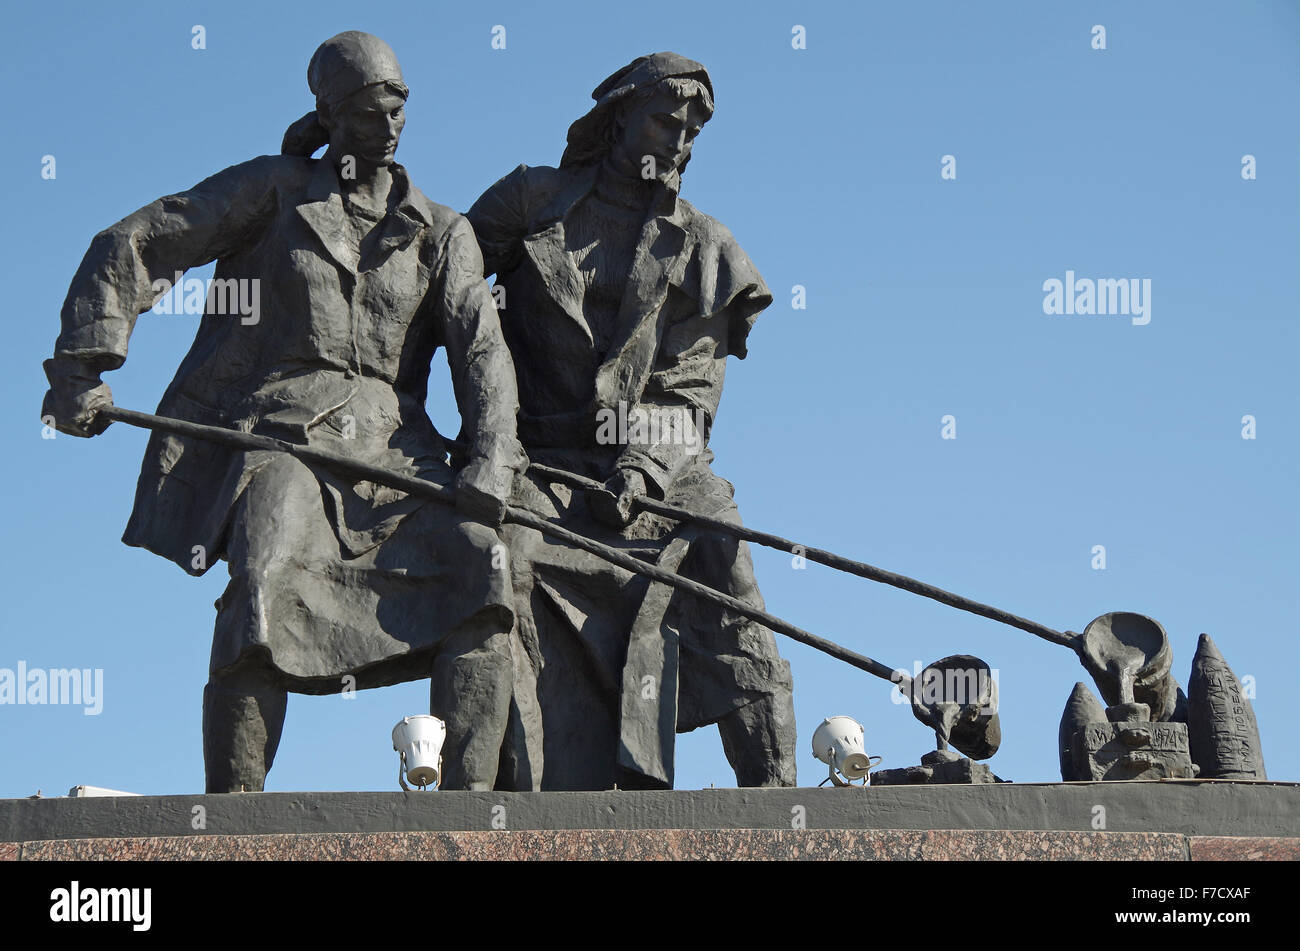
point(591, 137)
point(342, 66)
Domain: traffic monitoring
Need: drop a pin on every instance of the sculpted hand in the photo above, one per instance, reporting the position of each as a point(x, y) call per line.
point(612, 505)
point(483, 490)
point(73, 400)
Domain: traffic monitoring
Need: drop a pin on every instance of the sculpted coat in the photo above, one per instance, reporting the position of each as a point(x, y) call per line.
point(327, 576)
point(605, 329)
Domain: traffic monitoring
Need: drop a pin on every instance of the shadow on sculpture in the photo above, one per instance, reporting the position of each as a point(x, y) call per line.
point(335, 583)
point(620, 303)
point(576, 607)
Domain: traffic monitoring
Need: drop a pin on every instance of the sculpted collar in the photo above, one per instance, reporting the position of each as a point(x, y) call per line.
point(663, 202)
point(325, 184)
point(325, 214)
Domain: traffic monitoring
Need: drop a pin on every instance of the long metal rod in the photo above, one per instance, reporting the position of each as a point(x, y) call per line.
point(821, 556)
point(517, 516)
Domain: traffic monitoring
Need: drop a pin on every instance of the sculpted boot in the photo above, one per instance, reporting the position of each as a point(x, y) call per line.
point(759, 739)
point(243, 717)
point(470, 690)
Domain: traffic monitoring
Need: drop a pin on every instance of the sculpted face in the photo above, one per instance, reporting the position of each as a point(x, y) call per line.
point(664, 128)
point(368, 125)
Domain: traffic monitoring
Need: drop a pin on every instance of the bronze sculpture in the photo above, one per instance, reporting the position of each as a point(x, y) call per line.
point(620, 303)
point(334, 583)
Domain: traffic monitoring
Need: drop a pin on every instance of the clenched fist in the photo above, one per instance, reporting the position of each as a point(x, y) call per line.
point(74, 398)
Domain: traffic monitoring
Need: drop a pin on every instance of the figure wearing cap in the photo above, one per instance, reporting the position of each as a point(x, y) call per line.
point(620, 303)
point(334, 584)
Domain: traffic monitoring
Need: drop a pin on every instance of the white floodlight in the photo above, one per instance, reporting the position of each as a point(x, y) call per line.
point(418, 741)
point(839, 743)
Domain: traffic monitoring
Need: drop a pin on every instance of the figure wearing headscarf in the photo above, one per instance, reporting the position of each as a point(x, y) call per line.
point(620, 303)
point(334, 584)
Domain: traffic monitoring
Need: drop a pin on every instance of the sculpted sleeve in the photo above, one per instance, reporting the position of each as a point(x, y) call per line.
point(672, 420)
point(681, 395)
point(114, 283)
point(500, 221)
point(482, 373)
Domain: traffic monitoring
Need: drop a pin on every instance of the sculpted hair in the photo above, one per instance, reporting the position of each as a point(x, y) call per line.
point(681, 88)
point(685, 88)
point(308, 134)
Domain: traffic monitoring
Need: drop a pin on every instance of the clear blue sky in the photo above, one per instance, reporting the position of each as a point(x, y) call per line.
point(924, 298)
